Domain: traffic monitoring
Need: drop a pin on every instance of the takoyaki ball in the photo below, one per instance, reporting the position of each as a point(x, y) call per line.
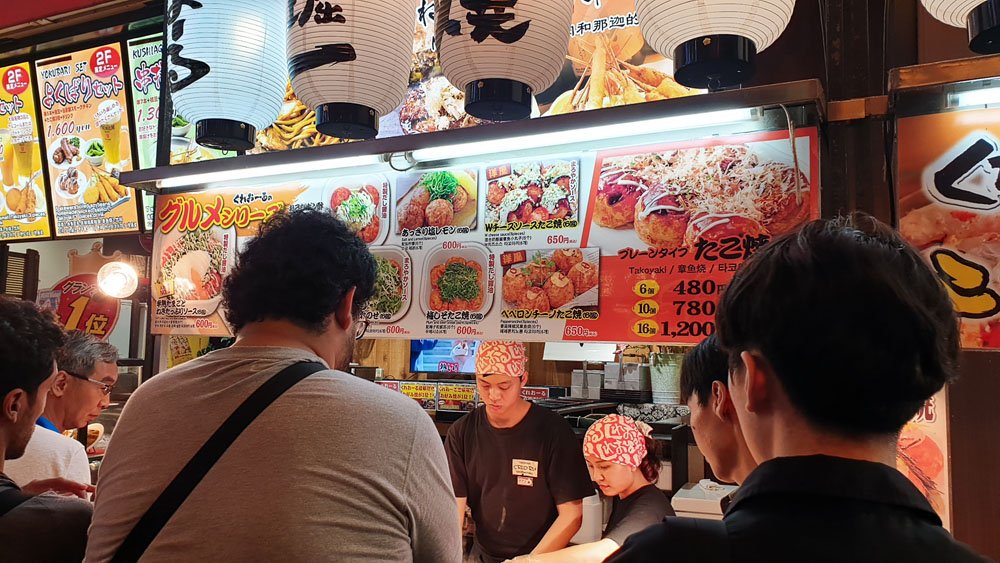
point(662, 228)
point(617, 196)
point(373, 193)
point(560, 290)
point(460, 199)
point(340, 195)
point(411, 217)
point(436, 273)
point(788, 213)
point(584, 277)
point(370, 233)
point(420, 198)
point(535, 299)
point(562, 210)
point(539, 214)
point(564, 183)
point(782, 211)
point(436, 302)
point(716, 228)
point(535, 193)
point(540, 271)
point(495, 194)
point(565, 259)
point(439, 213)
point(522, 214)
point(515, 283)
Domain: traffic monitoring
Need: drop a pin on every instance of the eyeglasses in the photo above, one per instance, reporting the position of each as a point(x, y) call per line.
point(360, 327)
point(105, 387)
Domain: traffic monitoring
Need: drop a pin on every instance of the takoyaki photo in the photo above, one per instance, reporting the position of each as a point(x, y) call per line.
point(543, 280)
point(530, 192)
point(438, 199)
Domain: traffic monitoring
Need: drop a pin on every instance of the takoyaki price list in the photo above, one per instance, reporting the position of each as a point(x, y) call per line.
point(87, 132)
point(499, 250)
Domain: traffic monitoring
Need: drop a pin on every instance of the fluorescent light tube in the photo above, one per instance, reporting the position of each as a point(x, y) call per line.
point(271, 170)
point(981, 97)
point(586, 134)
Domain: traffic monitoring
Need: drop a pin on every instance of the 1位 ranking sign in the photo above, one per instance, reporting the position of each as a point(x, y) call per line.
point(79, 304)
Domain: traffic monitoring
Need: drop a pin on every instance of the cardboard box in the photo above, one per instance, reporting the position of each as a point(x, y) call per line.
point(705, 499)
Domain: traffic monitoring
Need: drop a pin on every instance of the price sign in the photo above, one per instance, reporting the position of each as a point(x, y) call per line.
point(82, 306)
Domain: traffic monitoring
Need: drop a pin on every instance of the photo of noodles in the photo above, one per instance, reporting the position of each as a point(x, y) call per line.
point(295, 128)
point(191, 267)
point(676, 199)
point(545, 280)
point(533, 191)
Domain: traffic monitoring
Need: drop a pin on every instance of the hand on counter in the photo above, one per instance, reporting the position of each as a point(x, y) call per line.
point(60, 486)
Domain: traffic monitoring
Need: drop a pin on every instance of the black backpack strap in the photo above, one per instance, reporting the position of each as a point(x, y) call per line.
point(10, 499)
point(172, 497)
point(705, 541)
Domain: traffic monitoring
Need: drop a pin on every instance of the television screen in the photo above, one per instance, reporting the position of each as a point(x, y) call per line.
point(453, 356)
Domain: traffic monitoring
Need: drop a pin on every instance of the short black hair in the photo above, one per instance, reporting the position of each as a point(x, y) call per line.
point(856, 327)
point(298, 269)
point(703, 365)
point(29, 339)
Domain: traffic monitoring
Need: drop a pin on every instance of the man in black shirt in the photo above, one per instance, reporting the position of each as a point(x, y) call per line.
point(518, 466)
point(836, 334)
point(35, 525)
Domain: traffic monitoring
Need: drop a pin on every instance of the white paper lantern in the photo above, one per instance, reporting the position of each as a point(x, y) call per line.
point(350, 61)
point(502, 52)
point(226, 60)
point(713, 42)
point(981, 18)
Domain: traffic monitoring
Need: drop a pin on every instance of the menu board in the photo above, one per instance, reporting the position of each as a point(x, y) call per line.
point(540, 249)
point(23, 205)
point(87, 139)
point(922, 454)
point(145, 63)
point(948, 169)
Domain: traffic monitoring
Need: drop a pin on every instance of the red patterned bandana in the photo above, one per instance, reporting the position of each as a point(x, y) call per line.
point(617, 439)
point(499, 357)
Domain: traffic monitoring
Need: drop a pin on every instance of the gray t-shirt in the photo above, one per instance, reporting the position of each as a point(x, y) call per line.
point(336, 469)
point(44, 528)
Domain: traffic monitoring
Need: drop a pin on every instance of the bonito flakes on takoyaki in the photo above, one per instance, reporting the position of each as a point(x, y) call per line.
point(560, 290)
point(661, 218)
point(532, 192)
point(535, 299)
point(617, 195)
point(565, 259)
point(715, 227)
point(515, 283)
point(584, 277)
point(783, 203)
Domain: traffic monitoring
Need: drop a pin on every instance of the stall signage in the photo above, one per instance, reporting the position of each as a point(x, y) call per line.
point(949, 207)
point(23, 203)
point(614, 246)
point(79, 304)
point(146, 62)
point(87, 134)
point(922, 454)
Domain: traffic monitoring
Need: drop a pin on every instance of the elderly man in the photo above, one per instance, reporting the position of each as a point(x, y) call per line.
point(88, 371)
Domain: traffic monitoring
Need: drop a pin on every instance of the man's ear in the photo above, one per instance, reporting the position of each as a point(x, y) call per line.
point(15, 405)
point(755, 382)
point(721, 402)
point(344, 314)
point(60, 384)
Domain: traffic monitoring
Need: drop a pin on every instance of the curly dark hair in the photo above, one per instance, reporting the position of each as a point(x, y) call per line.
point(703, 365)
point(856, 327)
point(298, 269)
point(29, 339)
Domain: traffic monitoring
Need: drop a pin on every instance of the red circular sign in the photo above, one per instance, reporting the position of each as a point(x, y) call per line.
point(82, 306)
point(16, 80)
point(105, 62)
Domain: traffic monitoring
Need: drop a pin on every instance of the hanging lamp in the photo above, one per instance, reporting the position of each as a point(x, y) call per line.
point(981, 18)
point(226, 63)
point(714, 43)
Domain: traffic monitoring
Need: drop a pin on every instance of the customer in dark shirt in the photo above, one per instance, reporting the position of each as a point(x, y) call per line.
point(517, 465)
point(837, 334)
point(44, 521)
point(622, 459)
point(716, 429)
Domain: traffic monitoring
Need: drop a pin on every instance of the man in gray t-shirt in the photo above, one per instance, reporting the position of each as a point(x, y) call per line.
point(336, 469)
point(36, 525)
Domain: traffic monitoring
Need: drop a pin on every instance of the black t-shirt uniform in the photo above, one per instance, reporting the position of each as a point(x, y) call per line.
point(514, 477)
point(636, 512)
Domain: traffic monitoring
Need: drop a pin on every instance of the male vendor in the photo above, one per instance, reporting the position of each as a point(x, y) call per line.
point(517, 465)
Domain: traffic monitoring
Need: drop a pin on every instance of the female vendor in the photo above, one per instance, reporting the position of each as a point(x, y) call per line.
point(622, 460)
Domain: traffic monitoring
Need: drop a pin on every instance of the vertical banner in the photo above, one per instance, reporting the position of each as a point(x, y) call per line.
point(23, 207)
point(86, 131)
point(949, 208)
point(145, 62)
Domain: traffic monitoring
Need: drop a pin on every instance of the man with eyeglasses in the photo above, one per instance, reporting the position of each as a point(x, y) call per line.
point(88, 370)
point(336, 468)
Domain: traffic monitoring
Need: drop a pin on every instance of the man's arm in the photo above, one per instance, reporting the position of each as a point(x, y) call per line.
point(462, 502)
point(566, 526)
point(434, 536)
point(594, 552)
